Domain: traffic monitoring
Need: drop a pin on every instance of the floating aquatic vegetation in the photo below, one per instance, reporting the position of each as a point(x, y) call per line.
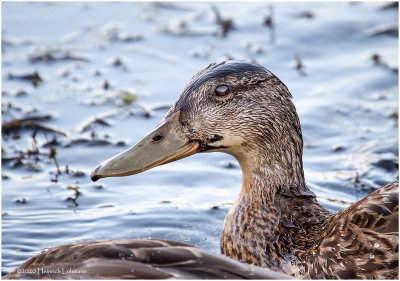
point(269, 21)
point(88, 141)
point(30, 122)
point(377, 59)
point(100, 120)
point(339, 148)
point(252, 47)
point(118, 63)
point(121, 98)
point(92, 140)
point(228, 57)
point(171, 6)
point(75, 196)
point(52, 155)
point(106, 85)
point(20, 93)
point(230, 165)
point(97, 72)
point(304, 14)
point(8, 108)
point(385, 29)
point(8, 42)
point(126, 96)
point(106, 206)
point(29, 158)
point(145, 110)
point(34, 167)
point(161, 106)
point(77, 173)
point(16, 157)
point(50, 143)
point(21, 200)
point(182, 27)
point(52, 55)
point(226, 24)
point(395, 116)
point(299, 66)
point(338, 201)
point(201, 51)
point(34, 77)
point(114, 32)
point(390, 5)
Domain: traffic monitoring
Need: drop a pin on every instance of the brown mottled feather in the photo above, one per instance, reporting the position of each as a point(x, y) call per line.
point(299, 237)
point(362, 240)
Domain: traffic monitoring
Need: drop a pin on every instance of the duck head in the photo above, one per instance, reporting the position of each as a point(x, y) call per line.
point(236, 107)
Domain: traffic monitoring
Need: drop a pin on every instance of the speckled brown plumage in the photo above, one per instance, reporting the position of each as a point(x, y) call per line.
point(299, 237)
point(276, 222)
point(362, 240)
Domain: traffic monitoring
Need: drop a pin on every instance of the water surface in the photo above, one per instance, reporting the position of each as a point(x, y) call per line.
point(114, 59)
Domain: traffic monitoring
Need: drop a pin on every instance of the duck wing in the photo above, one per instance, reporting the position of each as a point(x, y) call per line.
point(136, 259)
point(362, 241)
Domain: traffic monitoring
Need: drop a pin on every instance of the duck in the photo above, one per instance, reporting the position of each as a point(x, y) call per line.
point(275, 229)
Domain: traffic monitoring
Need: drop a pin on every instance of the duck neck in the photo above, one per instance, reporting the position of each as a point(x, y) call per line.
point(274, 168)
point(276, 217)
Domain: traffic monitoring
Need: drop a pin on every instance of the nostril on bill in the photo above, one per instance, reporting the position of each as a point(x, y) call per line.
point(157, 138)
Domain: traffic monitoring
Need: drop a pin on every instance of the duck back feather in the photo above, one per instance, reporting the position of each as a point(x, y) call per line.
point(362, 240)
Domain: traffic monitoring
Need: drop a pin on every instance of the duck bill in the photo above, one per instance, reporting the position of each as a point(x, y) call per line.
point(165, 144)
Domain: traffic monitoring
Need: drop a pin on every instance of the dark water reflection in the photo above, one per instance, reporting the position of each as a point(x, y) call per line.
point(86, 52)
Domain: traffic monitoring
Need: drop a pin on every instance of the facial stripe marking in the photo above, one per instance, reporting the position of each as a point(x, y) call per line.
point(215, 138)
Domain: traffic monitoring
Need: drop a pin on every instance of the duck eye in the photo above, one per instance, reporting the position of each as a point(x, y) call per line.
point(222, 90)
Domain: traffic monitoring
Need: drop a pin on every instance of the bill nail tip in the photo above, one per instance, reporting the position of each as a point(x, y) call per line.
point(95, 175)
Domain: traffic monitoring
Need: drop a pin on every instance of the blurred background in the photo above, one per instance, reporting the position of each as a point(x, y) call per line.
point(82, 81)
